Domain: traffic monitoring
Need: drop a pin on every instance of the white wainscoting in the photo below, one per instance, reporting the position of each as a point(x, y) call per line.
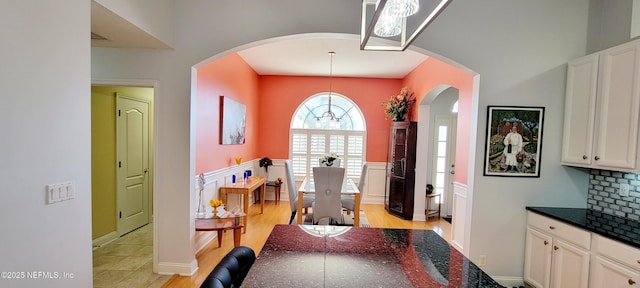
point(459, 215)
point(373, 190)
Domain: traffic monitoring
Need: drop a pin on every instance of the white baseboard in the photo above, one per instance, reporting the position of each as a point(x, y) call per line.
point(182, 269)
point(509, 281)
point(106, 239)
point(203, 238)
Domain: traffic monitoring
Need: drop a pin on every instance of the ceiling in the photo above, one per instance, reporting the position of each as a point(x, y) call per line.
point(298, 57)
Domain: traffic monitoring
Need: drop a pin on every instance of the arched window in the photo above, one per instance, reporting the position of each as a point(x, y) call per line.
point(313, 136)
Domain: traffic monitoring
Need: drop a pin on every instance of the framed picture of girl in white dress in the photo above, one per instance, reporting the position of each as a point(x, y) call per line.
point(514, 141)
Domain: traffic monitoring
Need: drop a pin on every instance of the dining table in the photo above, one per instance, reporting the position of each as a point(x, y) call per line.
point(348, 188)
point(349, 256)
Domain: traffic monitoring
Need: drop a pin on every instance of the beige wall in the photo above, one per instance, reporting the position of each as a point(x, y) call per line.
point(103, 153)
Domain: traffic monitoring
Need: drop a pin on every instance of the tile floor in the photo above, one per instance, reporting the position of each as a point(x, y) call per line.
point(127, 262)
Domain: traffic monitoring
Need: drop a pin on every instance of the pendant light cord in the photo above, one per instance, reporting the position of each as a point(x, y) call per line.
point(332, 53)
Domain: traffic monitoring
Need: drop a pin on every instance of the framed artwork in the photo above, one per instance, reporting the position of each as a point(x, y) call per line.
point(233, 117)
point(514, 141)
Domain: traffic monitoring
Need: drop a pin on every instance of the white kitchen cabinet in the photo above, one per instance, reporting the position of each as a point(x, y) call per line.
point(613, 264)
point(580, 108)
point(607, 273)
point(556, 254)
point(602, 108)
point(537, 265)
point(570, 265)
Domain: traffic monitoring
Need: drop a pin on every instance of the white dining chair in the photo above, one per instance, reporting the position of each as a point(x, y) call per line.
point(349, 201)
point(328, 187)
point(307, 201)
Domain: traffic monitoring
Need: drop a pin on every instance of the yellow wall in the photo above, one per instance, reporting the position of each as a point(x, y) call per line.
point(103, 153)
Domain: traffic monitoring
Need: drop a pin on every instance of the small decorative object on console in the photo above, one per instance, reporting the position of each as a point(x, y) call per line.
point(266, 162)
point(215, 204)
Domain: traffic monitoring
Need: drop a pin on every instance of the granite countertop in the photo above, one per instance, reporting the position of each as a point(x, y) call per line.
point(616, 228)
point(339, 256)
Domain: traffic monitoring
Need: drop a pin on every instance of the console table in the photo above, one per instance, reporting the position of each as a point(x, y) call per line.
point(244, 188)
point(436, 210)
point(230, 222)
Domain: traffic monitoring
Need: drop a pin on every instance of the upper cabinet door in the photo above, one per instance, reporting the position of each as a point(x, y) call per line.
point(580, 108)
point(602, 109)
point(619, 107)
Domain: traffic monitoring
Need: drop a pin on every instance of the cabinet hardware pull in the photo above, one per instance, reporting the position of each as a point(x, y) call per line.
point(555, 248)
point(547, 243)
point(631, 282)
point(638, 261)
point(597, 158)
point(551, 227)
point(584, 157)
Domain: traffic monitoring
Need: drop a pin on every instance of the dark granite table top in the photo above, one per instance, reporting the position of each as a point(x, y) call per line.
point(344, 256)
point(610, 226)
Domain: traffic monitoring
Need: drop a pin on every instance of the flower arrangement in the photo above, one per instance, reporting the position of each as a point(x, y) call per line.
point(328, 159)
point(266, 162)
point(215, 204)
point(398, 105)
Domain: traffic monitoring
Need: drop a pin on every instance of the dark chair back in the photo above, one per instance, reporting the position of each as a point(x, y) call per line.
point(232, 269)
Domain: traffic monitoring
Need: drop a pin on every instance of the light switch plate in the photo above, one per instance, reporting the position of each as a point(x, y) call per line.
point(60, 192)
point(53, 193)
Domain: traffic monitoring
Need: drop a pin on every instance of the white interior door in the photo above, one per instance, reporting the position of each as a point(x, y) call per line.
point(444, 160)
point(133, 164)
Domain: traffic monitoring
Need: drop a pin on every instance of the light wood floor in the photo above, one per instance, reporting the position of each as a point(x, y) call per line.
point(260, 226)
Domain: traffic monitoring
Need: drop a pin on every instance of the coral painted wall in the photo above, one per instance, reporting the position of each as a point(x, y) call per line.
point(230, 77)
point(432, 73)
point(272, 100)
point(280, 96)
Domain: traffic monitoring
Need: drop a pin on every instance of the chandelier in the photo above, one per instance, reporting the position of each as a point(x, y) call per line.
point(330, 116)
point(399, 20)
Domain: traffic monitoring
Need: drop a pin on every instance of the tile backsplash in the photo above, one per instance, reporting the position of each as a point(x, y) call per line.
point(604, 197)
